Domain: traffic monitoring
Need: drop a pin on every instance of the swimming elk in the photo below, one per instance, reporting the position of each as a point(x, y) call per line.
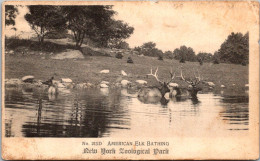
point(154, 94)
point(193, 88)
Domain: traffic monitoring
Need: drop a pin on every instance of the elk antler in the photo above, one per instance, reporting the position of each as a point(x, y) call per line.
point(172, 76)
point(184, 78)
point(198, 79)
point(155, 75)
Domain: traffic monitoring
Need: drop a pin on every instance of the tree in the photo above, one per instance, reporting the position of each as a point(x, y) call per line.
point(96, 23)
point(184, 53)
point(235, 49)
point(149, 49)
point(149, 45)
point(168, 55)
point(203, 56)
point(114, 34)
point(44, 19)
point(121, 45)
point(11, 12)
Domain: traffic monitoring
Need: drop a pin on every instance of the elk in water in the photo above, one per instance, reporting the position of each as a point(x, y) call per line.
point(155, 94)
point(193, 85)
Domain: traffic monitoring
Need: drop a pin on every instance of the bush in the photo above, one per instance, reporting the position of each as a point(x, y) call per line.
point(244, 63)
point(130, 60)
point(182, 60)
point(160, 57)
point(119, 56)
point(216, 61)
point(201, 61)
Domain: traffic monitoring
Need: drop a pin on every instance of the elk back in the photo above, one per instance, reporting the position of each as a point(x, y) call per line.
point(149, 92)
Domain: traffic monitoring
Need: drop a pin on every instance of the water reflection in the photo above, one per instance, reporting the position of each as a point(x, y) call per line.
point(116, 112)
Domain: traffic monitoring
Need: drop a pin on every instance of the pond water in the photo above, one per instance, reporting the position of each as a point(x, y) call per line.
point(117, 112)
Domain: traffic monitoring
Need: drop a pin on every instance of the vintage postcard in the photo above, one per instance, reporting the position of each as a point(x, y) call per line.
point(130, 80)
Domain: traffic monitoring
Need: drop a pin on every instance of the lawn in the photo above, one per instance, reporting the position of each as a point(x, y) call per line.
point(234, 77)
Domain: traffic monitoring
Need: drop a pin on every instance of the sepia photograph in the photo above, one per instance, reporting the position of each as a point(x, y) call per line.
point(130, 80)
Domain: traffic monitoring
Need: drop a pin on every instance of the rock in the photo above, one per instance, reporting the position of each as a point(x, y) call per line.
point(124, 83)
point(211, 84)
point(90, 85)
point(222, 86)
point(118, 84)
point(66, 80)
point(72, 54)
point(104, 71)
point(173, 85)
point(11, 52)
point(104, 91)
point(28, 78)
point(103, 86)
point(123, 73)
point(142, 82)
point(104, 82)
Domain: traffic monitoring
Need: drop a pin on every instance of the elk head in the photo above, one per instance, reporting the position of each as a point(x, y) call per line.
point(193, 88)
point(164, 88)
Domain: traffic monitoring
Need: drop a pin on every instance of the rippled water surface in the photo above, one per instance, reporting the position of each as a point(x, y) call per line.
point(117, 112)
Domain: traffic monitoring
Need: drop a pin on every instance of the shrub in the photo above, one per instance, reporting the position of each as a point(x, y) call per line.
point(201, 61)
point(130, 60)
point(216, 61)
point(119, 56)
point(160, 57)
point(182, 60)
point(244, 63)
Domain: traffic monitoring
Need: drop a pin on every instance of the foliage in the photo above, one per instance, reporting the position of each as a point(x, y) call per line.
point(130, 60)
point(10, 14)
point(182, 60)
point(169, 55)
point(121, 45)
point(44, 19)
point(216, 61)
point(96, 23)
point(235, 49)
point(57, 34)
point(204, 57)
point(149, 49)
point(119, 56)
point(200, 61)
point(184, 53)
point(160, 57)
point(13, 44)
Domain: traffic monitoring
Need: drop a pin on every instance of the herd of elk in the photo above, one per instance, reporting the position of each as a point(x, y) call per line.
point(156, 94)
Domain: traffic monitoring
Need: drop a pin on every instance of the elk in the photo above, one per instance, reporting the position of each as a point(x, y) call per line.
point(193, 88)
point(155, 94)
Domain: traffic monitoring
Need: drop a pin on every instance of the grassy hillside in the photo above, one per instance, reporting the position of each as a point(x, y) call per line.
point(234, 77)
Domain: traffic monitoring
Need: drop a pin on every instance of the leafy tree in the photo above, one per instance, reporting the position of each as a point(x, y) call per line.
point(121, 45)
point(204, 57)
point(95, 23)
point(184, 53)
point(149, 49)
point(44, 19)
point(11, 12)
point(149, 45)
point(169, 55)
point(114, 34)
point(235, 49)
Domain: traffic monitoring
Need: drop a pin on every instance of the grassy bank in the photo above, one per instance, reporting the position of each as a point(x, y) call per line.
point(87, 70)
